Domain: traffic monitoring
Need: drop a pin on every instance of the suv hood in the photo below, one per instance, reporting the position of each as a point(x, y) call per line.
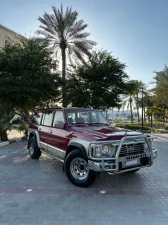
point(101, 133)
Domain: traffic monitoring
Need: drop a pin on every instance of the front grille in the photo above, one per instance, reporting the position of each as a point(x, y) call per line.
point(132, 149)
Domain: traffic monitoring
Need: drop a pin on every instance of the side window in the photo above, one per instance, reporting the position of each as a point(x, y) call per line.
point(82, 117)
point(71, 118)
point(59, 119)
point(47, 119)
point(94, 117)
point(36, 119)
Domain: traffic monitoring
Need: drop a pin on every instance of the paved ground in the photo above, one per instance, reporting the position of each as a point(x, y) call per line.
point(38, 192)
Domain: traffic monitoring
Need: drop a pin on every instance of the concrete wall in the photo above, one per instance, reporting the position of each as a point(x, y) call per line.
point(7, 35)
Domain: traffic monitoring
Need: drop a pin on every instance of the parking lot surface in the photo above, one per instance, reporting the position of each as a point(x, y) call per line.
point(37, 192)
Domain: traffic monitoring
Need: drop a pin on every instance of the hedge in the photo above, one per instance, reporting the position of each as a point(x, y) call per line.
point(134, 127)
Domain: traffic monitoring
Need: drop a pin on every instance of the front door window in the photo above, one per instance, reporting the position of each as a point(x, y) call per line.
point(47, 119)
point(59, 120)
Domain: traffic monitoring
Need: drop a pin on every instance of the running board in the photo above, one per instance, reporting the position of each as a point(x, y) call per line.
point(52, 156)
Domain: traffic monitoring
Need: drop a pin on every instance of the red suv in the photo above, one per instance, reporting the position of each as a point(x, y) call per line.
point(86, 144)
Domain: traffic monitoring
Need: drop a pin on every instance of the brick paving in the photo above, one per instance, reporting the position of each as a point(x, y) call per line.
point(37, 192)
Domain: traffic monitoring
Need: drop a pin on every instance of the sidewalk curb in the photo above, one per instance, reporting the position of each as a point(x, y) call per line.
point(2, 144)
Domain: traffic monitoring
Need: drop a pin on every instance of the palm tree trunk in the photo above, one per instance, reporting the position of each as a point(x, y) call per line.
point(132, 119)
point(151, 121)
point(138, 113)
point(137, 106)
point(118, 112)
point(144, 114)
point(64, 96)
point(3, 136)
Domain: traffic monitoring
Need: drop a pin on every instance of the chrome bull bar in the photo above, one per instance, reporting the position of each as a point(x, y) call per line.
point(104, 162)
point(129, 138)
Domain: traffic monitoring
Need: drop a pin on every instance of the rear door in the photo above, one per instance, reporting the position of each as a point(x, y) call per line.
point(60, 135)
point(44, 128)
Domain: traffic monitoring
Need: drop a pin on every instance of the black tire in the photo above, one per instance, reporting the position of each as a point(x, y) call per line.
point(91, 175)
point(34, 150)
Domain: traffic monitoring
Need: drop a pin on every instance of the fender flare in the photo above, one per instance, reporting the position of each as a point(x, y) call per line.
point(74, 145)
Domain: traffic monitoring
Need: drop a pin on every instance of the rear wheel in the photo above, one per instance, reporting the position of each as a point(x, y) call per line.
point(34, 150)
point(77, 170)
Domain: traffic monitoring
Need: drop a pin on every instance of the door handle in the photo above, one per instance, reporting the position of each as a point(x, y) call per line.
point(50, 131)
point(39, 128)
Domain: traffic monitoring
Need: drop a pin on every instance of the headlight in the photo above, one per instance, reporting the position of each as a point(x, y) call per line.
point(98, 151)
point(105, 149)
point(102, 150)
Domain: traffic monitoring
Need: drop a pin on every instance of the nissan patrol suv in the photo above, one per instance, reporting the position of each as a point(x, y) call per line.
point(86, 144)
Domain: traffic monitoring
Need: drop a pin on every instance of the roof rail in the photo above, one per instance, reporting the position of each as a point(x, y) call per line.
point(49, 108)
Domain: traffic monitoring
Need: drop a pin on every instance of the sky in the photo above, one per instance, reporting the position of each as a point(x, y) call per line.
point(135, 31)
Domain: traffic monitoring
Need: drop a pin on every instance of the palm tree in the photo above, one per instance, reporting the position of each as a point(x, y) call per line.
point(161, 89)
point(132, 100)
point(139, 85)
point(129, 103)
point(64, 35)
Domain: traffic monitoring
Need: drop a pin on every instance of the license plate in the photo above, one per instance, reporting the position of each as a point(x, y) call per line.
point(132, 162)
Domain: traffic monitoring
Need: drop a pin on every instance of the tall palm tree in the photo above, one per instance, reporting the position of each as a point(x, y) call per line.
point(139, 86)
point(129, 103)
point(132, 100)
point(65, 36)
point(161, 89)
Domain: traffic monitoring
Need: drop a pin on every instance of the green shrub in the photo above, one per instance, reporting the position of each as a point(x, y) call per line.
point(23, 127)
point(166, 127)
point(135, 127)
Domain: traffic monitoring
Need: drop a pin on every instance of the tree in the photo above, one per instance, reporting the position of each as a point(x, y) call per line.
point(129, 103)
point(63, 33)
point(132, 99)
point(26, 80)
point(139, 87)
point(160, 112)
point(161, 89)
point(99, 83)
point(148, 101)
point(6, 114)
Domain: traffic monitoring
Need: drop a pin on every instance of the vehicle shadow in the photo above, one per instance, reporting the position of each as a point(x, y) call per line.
point(126, 181)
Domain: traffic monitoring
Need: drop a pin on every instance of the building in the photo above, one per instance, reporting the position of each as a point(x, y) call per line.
point(8, 36)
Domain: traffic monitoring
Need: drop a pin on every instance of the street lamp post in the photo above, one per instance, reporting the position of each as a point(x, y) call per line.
point(142, 110)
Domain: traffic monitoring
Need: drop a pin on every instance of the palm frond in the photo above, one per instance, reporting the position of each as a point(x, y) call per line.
point(77, 28)
point(78, 54)
point(61, 28)
point(82, 46)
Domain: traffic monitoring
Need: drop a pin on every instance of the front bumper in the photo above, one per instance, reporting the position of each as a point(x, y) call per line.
point(118, 165)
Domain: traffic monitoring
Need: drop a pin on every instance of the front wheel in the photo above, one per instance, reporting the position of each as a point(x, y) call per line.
point(77, 170)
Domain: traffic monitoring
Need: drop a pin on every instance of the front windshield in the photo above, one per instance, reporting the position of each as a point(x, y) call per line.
point(84, 116)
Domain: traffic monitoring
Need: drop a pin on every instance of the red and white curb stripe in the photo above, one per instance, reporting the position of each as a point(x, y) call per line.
point(86, 192)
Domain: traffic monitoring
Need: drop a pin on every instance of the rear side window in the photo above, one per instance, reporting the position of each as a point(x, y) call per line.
point(36, 119)
point(47, 119)
point(58, 119)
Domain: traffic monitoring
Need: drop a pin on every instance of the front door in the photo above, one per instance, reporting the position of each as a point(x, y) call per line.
point(60, 137)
